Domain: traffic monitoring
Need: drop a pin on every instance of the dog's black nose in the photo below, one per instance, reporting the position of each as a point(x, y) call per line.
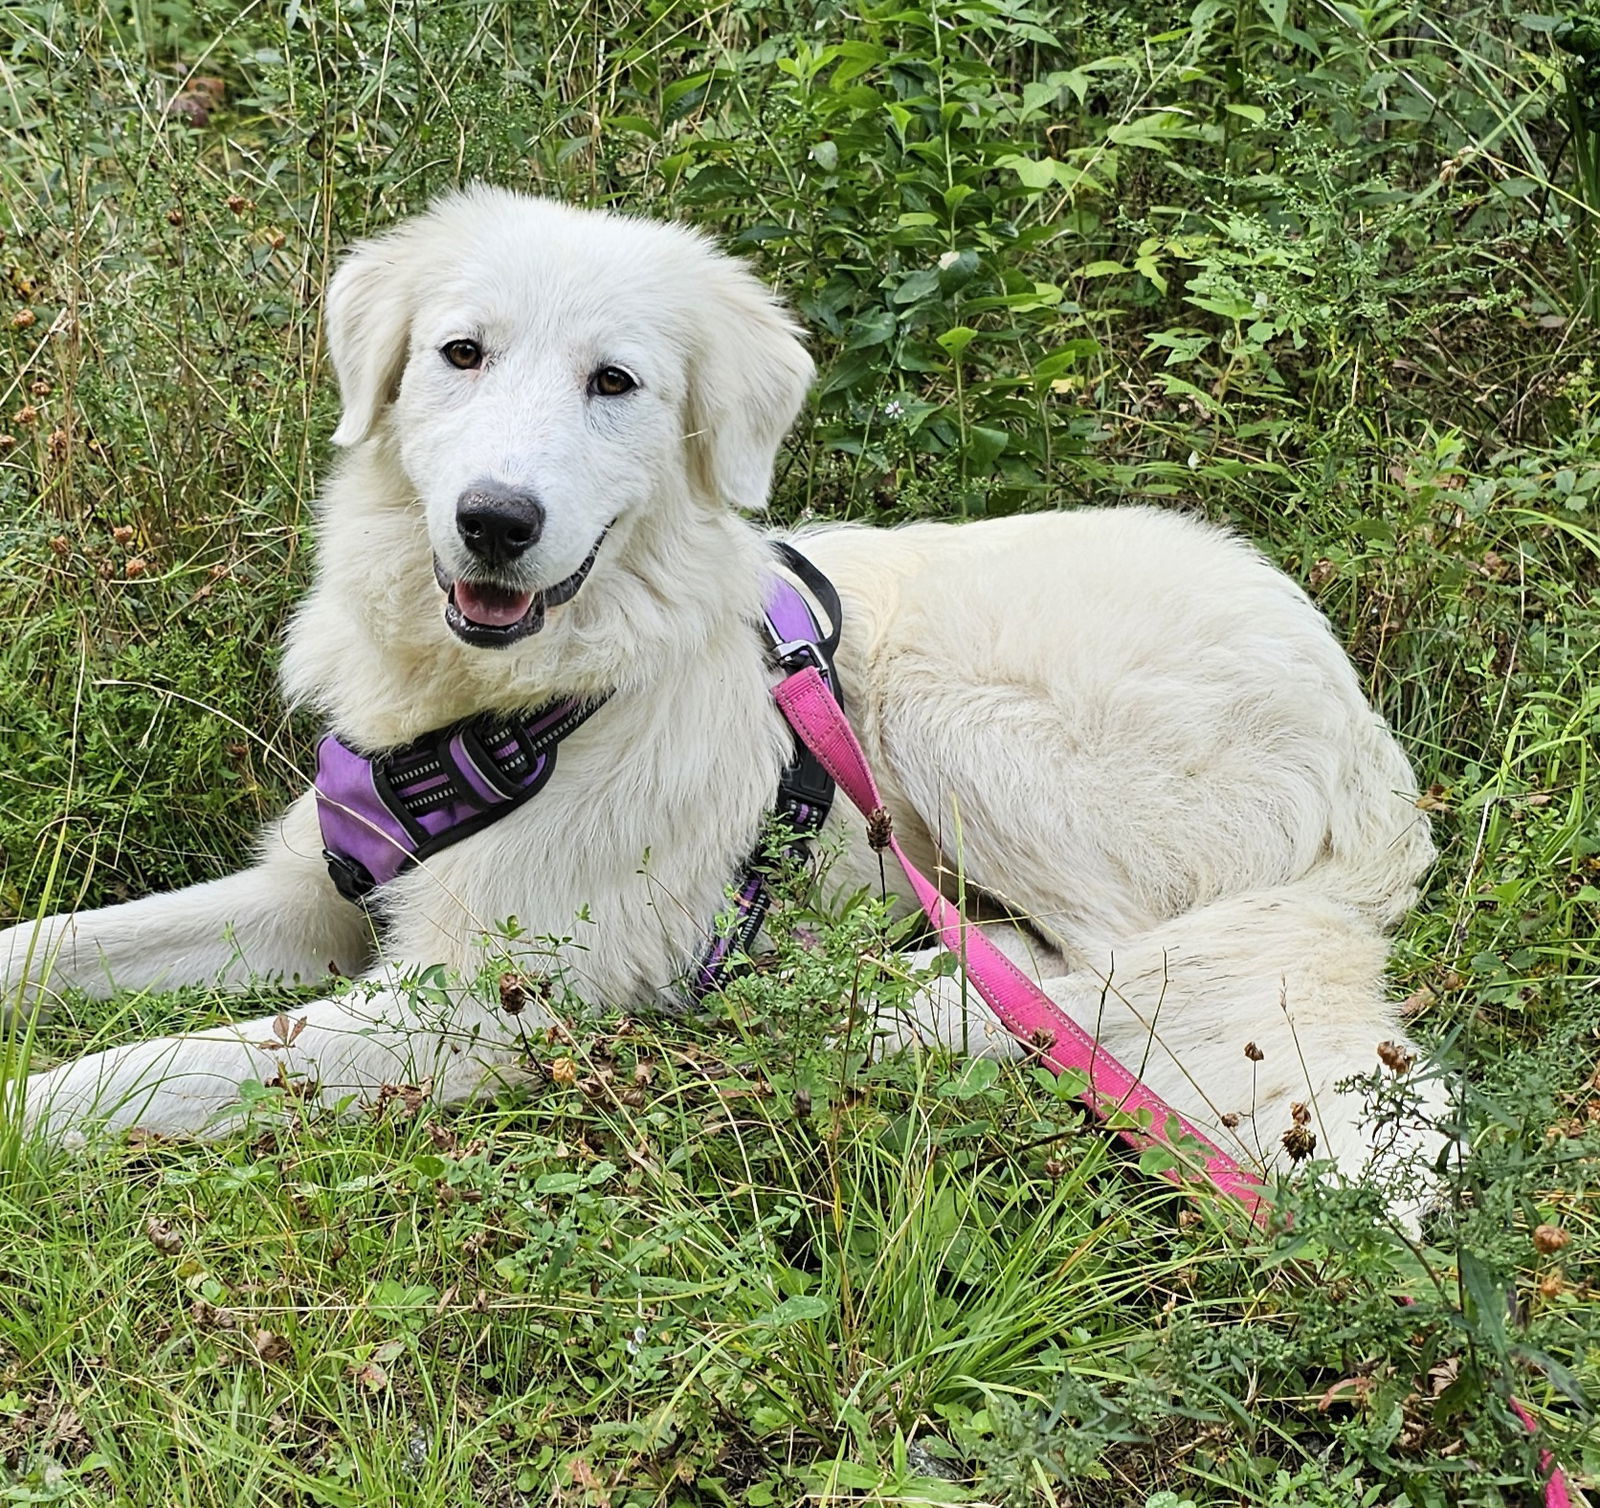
point(497, 523)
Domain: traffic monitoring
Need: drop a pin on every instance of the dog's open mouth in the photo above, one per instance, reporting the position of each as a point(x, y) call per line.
point(492, 616)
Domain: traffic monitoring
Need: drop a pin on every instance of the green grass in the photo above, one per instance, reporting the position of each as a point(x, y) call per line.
point(1319, 270)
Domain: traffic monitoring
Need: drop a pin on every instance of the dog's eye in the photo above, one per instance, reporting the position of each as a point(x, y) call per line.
point(466, 354)
point(611, 382)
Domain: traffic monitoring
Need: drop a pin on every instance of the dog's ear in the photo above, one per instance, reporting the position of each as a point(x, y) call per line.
point(747, 381)
point(369, 320)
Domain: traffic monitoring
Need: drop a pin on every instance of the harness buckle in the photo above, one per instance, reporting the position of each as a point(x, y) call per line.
point(351, 878)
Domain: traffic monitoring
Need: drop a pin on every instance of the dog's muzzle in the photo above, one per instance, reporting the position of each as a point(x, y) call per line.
point(489, 615)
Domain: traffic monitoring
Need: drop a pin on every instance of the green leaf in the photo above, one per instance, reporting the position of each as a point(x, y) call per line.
point(957, 340)
point(873, 328)
point(918, 285)
point(803, 1306)
point(558, 1183)
point(956, 270)
point(984, 446)
point(1486, 1298)
point(1035, 174)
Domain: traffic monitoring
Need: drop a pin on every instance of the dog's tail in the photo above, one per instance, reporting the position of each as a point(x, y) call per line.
point(1378, 846)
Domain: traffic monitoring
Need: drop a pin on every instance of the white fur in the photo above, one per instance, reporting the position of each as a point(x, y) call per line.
point(1151, 746)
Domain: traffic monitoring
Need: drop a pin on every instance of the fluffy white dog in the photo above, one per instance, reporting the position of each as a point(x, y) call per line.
point(1161, 763)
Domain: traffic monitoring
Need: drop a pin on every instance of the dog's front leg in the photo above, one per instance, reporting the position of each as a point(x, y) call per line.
point(279, 919)
point(328, 1053)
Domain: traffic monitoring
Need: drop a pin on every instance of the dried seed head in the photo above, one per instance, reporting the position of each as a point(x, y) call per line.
point(880, 828)
point(60, 545)
point(175, 216)
point(1253, 1052)
point(209, 1317)
point(1299, 1142)
point(162, 1236)
point(7, 442)
point(23, 318)
point(1416, 1002)
point(1299, 1114)
point(1054, 1168)
point(27, 414)
point(564, 1071)
point(276, 239)
point(123, 534)
point(1549, 1239)
point(137, 566)
point(1553, 1284)
point(441, 1136)
point(1231, 1119)
point(40, 389)
point(1395, 1058)
point(513, 993)
point(239, 204)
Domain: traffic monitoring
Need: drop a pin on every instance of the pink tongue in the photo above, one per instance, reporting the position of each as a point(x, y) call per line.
point(492, 606)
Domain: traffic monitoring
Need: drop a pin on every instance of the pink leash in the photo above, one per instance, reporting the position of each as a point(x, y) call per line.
point(1025, 1010)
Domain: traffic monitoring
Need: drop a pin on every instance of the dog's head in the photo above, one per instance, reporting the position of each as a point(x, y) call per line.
point(545, 372)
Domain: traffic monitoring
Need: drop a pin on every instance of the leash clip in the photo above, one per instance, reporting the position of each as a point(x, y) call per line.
point(796, 654)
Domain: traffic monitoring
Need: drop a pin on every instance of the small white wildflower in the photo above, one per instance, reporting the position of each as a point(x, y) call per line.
point(1261, 302)
point(1194, 460)
point(893, 410)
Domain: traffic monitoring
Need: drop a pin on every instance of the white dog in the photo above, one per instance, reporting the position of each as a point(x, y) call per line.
point(1160, 762)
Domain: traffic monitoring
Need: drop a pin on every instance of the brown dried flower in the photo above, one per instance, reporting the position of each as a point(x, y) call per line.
point(1549, 1239)
point(162, 1236)
point(1253, 1052)
point(880, 828)
point(1299, 1142)
point(513, 993)
point(1395, 1057)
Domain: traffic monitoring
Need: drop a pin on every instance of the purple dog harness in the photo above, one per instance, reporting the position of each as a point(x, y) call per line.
point(382, 813)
